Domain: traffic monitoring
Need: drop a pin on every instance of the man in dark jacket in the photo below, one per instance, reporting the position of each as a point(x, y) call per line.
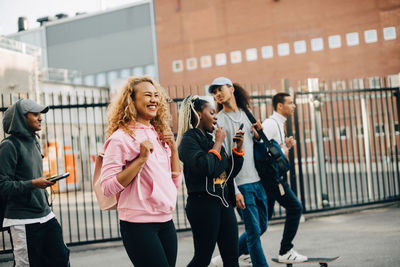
point(36, 234)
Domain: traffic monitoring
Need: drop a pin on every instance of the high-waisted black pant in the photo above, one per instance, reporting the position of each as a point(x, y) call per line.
point(150, 244)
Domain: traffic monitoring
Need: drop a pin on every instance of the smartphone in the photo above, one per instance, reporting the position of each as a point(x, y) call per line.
point(240, 128)
point(57, 177)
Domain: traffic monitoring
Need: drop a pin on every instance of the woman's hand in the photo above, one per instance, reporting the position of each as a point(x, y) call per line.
point(169, 138)
point(146, 147)
point(238, 138)
point(220, 134)
point(126, 175)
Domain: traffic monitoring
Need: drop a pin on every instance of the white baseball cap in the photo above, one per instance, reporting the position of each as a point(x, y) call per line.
point(219, 82)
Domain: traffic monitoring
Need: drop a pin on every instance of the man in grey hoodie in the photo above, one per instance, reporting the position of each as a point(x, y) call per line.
point(36, 234)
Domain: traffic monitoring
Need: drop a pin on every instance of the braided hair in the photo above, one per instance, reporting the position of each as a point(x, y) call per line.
point(188, 117)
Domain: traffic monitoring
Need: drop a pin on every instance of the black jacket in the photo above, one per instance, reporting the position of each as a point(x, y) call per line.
point(21, 161)
point(201, 168)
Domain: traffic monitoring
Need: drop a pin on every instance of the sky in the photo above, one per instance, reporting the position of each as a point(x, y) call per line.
point(10, 10)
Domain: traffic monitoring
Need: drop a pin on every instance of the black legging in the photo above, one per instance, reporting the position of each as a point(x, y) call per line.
point(150, 244)
point(212, 223)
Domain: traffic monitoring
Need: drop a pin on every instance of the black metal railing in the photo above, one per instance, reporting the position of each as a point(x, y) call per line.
point(347, 150)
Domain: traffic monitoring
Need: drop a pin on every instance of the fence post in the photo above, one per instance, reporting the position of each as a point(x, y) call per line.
point(289, 132)
point(397, 94)
point(315, 108)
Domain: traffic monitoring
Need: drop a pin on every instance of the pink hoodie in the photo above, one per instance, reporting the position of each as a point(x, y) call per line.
point(157, 189)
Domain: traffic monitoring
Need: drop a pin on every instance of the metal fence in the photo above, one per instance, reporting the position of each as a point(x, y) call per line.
point(347, 152)
point(348, 147)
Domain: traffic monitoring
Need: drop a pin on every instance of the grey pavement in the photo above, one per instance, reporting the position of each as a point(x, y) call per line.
point(367, 236)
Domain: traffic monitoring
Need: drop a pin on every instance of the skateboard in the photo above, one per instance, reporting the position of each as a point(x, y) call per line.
point(323, 262)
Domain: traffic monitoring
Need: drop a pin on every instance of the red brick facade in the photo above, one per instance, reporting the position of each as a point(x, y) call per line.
point(196, 28)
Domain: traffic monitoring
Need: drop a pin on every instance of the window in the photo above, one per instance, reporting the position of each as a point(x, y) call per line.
point(150, 70)
point(307, 136)
point(342, 132)
point(379, 130)
point(335, 41)
point(389, 33)
point(177, 66)
point(370, 36)
point(251, 54)
point(191, 63)
point(300, 47)
point(111, 76)
point(236, 56)
point(138, 71)
point(220, 59)
point(125, 73)
point(205, 61)
point(77, 80)
point(352, 39)
point(89, 80)
point(267, 51)
point(101, 79)
point(326, 133)
point(283, 49)
point(317, 44)
point(360, 131)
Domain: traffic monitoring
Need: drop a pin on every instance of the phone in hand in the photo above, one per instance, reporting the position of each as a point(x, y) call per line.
point(57, 177)
point(240, 128)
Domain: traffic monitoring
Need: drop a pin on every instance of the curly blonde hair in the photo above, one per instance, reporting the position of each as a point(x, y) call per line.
point(122, 112)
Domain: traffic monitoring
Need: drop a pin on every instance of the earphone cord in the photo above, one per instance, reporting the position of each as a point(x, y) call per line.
point(223, 200)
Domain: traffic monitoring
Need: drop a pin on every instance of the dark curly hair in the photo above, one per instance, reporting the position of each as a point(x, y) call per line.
point(241, 96)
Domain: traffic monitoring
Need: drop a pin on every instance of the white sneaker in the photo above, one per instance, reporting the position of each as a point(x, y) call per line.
point(217, 261)
point(245, 260)
point(292, 257)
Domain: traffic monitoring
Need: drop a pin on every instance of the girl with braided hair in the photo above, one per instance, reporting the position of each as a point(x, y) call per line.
point(209, 174)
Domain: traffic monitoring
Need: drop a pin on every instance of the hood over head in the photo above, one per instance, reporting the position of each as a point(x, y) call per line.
point(14, 119)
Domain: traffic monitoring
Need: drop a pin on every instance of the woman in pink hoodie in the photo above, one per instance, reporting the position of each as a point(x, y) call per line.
point(141, 165)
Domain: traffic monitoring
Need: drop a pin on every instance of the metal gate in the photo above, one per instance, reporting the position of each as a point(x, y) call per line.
point(347, 147)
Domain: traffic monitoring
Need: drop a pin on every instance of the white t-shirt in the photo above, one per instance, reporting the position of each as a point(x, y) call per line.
point(11, 222)
point(274, 127)
point(231, 122)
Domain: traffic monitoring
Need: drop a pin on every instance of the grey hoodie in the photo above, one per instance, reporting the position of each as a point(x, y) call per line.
point(19, 165)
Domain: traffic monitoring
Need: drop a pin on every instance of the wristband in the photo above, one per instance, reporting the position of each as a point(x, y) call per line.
point(241, 153)
point(215, 153)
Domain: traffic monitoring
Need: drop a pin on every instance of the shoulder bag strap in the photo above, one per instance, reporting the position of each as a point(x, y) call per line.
point(260, 132)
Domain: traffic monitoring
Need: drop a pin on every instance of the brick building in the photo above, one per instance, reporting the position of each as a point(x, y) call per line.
point(264, 41)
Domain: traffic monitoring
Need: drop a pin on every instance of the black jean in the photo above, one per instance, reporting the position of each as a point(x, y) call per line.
point(150, 244)
point(212, 223)
point(293, 212)
point(45, 244)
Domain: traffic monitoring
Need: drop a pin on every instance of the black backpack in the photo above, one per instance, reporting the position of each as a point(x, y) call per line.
point(3, 199)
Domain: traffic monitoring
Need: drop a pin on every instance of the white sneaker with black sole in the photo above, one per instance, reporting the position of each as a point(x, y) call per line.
point(292, 256)
point(245, 261)
point(217, 261)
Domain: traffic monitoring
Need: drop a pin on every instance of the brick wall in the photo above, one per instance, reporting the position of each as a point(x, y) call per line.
point(189, 30)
